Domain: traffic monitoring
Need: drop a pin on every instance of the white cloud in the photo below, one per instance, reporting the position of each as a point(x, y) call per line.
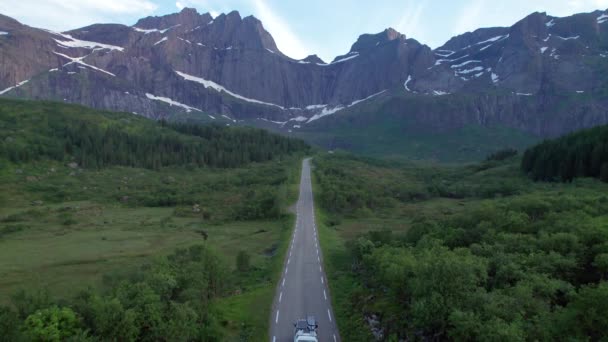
point(286, 40)
point(62, 15)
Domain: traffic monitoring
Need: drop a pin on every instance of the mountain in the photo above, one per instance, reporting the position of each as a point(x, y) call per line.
point(543, 76)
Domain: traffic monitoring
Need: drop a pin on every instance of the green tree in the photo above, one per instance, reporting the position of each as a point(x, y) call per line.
point(9, 325)
point(52, 324)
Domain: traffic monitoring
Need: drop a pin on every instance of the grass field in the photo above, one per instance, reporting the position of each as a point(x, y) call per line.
point(64, 229)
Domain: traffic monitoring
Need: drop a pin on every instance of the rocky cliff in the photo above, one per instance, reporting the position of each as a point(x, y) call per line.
point(543, 75)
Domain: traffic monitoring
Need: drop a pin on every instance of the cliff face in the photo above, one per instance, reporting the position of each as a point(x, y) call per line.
point(543, 75)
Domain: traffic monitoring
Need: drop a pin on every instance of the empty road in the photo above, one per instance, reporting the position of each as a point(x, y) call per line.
point(302, 290)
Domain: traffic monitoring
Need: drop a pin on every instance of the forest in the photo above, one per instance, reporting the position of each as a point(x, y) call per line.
point(580, 154)
point(114, 227)
point(37, 130)
point(168, 299)
point(505, 260)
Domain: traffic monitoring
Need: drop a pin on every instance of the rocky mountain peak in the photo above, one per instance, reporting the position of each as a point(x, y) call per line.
point(313, 59)
point(187, 17)
point(8, 22)
point(369, 41)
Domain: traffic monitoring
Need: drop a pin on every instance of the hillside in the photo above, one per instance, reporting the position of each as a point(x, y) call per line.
point(123, 227)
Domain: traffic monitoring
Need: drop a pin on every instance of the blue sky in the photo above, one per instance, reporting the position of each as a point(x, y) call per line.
point(324, 27)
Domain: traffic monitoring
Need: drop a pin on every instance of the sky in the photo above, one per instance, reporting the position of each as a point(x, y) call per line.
point(327, 28)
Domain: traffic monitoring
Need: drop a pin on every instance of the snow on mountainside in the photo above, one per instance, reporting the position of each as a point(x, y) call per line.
point(230, 67)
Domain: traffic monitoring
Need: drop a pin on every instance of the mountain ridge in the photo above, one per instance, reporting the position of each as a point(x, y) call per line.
point(188, 65)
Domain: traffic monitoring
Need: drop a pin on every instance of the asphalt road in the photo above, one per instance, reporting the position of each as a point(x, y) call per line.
point(302, 290)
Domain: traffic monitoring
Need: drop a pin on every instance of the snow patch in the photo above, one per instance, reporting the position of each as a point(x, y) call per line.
point(325, 112)
point(493, 39)
point(160, 41)
point(465, 63)
point(409, 79)
point(318, 106)
point(550, 23)
point(219, 88)
point(77, 43)
point(602, 18)
point(495, 78)
point(441, 61)
point(229, 118)
point(299, 119)
point(171, 102)
point(329, 111)
point(184, 40)
point(524, 94)
point(79, 60)
point(543, 49)
point(440, 92)
point(340, 60)
point(54, 69)
point(580, 91)
point(211, 116)
point(447, 53)
point(147, 31)
point(469, 71)
point(272, 52)
point(3, 33)
point(280, 123)
point(13, 87)
point(568, 38)
point(365, 99)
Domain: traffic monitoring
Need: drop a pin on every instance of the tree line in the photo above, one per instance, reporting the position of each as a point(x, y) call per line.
point(580, 154)
point(170, 299)
point(98, 139)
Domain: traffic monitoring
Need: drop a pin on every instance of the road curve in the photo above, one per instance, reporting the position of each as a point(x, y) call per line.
point(302, 289)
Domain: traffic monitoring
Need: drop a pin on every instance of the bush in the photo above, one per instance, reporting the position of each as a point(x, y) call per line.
point(243, 261)
point(52, 324)
point(502, 154)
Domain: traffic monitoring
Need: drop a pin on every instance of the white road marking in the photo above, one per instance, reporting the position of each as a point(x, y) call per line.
point(283, 282)
point(286, 269)
point(274, 338)
point(334, 337)
point(320, 269)
point(328, 314)
point(318, 259)
point(276, 320)
point(324, 295)
point(322, 280)
point(288, 261)
point(281, 296)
